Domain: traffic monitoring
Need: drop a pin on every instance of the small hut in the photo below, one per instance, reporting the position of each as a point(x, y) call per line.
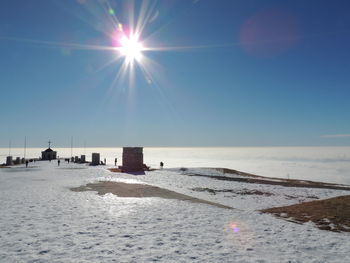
point(49, 154)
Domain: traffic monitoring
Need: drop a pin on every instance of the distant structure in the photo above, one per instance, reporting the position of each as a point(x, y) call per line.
point(132, 159)
point(9, 160)
point(95, 159)
point(49, 154)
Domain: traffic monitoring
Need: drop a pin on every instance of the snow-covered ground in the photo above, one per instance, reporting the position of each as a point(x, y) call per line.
point(325, 164)
point(42, 220)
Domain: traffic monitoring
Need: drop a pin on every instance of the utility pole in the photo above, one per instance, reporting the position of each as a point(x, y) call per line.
point(10, 148)
point(71, 146)
point(25, 146)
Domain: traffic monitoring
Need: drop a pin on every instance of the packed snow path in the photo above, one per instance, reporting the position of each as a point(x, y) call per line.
point(43, 221)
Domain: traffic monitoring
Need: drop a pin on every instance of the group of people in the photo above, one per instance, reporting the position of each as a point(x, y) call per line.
point(115, 162)
point(161, 164)
point(29, 161)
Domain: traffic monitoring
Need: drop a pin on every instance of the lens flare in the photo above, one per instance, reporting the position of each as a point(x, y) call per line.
point(234, 227)
point(129, 36)
point(111, 11)
point(120, 27)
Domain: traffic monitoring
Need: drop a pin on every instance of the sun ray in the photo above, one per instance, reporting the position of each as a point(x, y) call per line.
point(61, 44)
point(127, 43)
point(165, 25)
point(108, 7)
point(110, 62)
point(144, 16)
point(151, 72)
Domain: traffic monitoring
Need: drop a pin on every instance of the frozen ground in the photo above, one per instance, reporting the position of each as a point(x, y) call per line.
point(43, 221)
point(325, 164)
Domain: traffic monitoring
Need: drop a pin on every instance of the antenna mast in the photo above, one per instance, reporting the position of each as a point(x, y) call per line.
point(71, 146)
point(25, 146)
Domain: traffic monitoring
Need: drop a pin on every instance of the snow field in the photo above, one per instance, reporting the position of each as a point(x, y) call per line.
point(43, 221)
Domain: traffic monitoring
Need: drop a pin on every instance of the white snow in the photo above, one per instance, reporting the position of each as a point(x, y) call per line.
point(325, 164)
point(42, 220)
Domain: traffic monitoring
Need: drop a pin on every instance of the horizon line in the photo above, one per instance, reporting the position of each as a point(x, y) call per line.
point(218, 146)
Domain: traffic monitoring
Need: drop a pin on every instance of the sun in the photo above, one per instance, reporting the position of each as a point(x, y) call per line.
point(131, 48)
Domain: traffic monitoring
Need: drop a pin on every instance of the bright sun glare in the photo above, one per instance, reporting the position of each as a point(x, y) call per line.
point(131, 48)
point(126, 41)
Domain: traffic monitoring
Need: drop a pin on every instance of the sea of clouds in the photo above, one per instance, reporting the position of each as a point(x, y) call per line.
point(328, 164)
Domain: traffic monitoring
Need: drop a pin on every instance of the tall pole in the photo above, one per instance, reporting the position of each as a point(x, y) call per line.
point(25, 146)
point(71, 146)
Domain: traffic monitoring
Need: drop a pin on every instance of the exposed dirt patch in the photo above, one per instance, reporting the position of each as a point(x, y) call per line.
point(300, 196)
point(115, 170)
point(118, 170)
point(231, 171)
point(255, 179)
point(237, 192)
point(330, 214)
point(73, 168)
point(139, 190)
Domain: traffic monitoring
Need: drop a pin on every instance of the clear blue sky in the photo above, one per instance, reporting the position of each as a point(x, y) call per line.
point(258, 73)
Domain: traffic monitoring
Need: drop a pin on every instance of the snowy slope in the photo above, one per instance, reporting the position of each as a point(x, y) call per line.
point(43, 221)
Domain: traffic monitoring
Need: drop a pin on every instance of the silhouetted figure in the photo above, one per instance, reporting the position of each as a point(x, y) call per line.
point(145, 167)
point(161, 165)
point(105, 161)
point(27, 163)
point(115, 161)
point(58, 162)
point(68, 161)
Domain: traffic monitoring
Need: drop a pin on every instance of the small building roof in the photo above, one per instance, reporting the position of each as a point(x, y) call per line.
point(48, 150)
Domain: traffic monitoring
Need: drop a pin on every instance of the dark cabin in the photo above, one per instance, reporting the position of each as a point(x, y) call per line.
point(49, 154)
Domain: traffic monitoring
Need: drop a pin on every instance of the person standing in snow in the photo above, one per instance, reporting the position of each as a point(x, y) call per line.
point(115, 161)
point(161, 165)
point(58, 162)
